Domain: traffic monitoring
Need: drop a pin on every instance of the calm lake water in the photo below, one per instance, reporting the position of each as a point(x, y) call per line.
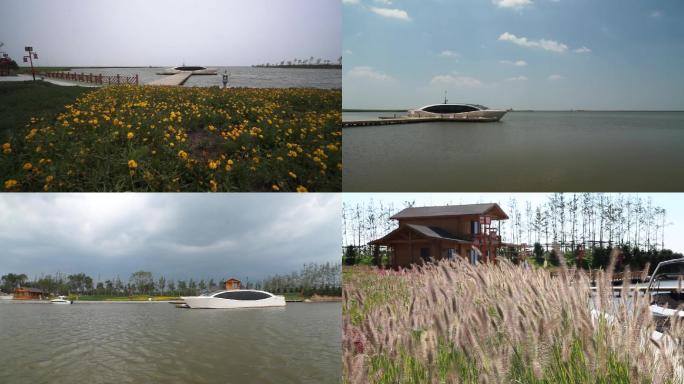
point(240, 77)
point(525, 151)
point(158, 343)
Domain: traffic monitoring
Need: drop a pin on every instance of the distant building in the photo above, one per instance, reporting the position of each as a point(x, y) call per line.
point(444, 232)
point(232, 284)
point(28, 294)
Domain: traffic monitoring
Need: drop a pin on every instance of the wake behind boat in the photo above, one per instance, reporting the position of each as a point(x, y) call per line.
point(235, 298)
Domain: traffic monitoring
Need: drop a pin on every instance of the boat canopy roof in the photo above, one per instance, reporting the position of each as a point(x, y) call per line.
point(453, 108)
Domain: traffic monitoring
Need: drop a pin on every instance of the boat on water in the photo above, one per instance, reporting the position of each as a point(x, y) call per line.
point(196, 70)
point(235, 298)
point(61, 300)
point(458, 112)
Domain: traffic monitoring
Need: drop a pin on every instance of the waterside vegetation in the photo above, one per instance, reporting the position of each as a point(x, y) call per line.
point(452, 322)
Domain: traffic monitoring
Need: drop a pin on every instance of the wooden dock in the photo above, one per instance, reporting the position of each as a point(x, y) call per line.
point(391, 121)
point(177, 79)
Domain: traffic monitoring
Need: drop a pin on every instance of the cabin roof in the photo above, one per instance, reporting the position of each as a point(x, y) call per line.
point(34, 290)
point(491, 209)
point(429, 231)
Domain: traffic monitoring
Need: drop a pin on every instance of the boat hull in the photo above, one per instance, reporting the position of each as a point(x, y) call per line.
point(60, 302)
point(216, 303)
point(487, 115)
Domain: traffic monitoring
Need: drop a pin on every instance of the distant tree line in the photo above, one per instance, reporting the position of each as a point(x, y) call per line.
point(313, 278)
point(308, 63)
point(594, 222)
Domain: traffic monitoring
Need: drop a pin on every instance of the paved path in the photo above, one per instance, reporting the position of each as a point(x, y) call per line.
point(177, 79)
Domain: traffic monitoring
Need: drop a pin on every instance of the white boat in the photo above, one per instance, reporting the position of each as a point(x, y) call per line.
point(61, 300)
point(236, 298)
point(4, 296)
point(666, 288)
point(458, 112)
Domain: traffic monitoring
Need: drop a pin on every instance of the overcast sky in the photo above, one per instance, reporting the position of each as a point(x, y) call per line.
point(672, 202)
point(524, 54)
point(177, 235)
point(166, 32)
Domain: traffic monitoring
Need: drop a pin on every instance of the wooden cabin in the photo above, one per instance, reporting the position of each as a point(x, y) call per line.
point(232, 284)
point(28, 294)
point(426, 233)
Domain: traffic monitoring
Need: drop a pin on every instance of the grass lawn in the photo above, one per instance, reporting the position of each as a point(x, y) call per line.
point(21, 100)
point(152, 138)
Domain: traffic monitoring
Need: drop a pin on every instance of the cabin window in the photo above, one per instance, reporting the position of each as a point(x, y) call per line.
point(473, 257)
point(474, 227)
point(243, 295)
point(425, 253)
point(450, 253)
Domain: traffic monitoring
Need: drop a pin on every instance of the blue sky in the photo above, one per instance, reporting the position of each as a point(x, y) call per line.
point(536, 54)
point(168, 32)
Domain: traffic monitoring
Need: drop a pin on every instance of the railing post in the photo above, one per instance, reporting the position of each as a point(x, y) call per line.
point(118, 78)
point(136, 79)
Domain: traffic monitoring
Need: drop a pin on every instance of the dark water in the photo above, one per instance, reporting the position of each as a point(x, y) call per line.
point(526, 151)
point(158, 343)
point(240, 77)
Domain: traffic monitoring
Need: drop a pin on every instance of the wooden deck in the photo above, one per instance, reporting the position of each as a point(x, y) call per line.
point(177, 79)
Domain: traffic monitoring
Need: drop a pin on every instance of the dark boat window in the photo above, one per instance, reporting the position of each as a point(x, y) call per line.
point(447, 108)
point(243, 295)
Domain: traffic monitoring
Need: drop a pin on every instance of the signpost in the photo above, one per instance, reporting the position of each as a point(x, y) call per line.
point(31, 55)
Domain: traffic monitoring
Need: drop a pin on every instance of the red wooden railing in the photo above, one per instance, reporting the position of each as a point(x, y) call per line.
point(93, 79)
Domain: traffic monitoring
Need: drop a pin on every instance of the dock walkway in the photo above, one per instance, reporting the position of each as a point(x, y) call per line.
point(177, 79)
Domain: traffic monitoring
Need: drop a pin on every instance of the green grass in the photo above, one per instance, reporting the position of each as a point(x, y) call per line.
point(21, 100)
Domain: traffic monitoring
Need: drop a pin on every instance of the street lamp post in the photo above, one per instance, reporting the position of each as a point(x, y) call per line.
point(31, 55)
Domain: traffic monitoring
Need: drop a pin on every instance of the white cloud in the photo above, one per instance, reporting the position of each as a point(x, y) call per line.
point(555, 77)
point(366, 72)
point(386, 2)
point(548, 45)
point(583, 49)
point(512, 3)
point(656, 14)
point(391, 13)
point(517, 78)
point(350, 1)
point(518, 63)
point(348, 52)
point(455, 81)
point(448, 53)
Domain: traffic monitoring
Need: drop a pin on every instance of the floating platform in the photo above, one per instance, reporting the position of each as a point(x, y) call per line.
point(391, 121)
point(176, 79)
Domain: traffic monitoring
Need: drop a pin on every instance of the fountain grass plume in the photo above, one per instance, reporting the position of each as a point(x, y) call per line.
point(452, 322)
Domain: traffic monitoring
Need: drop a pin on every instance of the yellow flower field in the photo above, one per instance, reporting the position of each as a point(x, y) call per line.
point(146, 138)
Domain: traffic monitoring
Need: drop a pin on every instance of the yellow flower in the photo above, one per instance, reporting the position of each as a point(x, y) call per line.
point(28, 166)
point(182, 154)
point(49, 179)
point(130, 135)
point(275, 187)
point(214, 164)
point(292, 175)
point(11, 183)
point(302, 188)
point(132, 164)
point(214, 186)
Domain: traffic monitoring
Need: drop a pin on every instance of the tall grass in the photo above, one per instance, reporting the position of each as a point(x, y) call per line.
point(451, 322)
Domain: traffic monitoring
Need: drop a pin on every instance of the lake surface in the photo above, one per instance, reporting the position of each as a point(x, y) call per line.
point(158, 343)
point(240, 77)
point(525, 151)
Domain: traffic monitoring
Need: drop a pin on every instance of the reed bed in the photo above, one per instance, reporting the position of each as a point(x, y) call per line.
point(452, 322)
